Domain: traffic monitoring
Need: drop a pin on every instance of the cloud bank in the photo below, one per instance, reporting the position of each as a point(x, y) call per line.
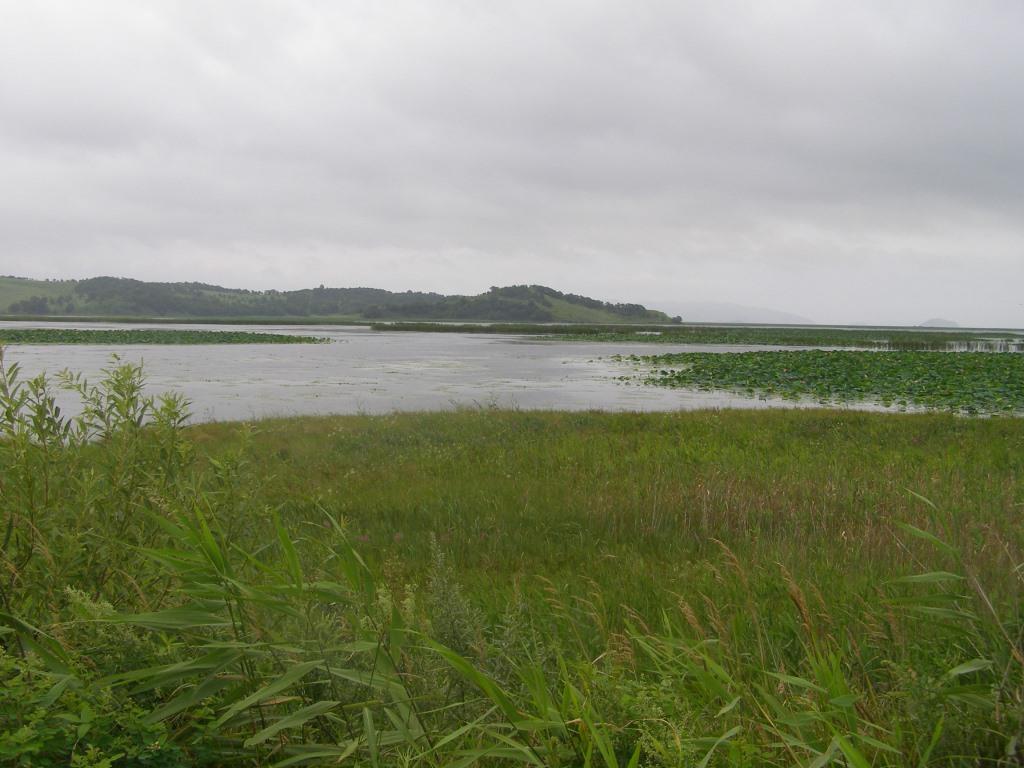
point(850, 162)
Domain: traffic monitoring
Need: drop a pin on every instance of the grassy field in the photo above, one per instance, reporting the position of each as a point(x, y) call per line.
point(14, 289)
point(968, 382)
point(872, 338)
point(145, 336)
point(637, 503)
point(498, 588)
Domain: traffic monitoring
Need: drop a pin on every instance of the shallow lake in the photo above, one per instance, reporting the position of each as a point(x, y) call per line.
point(365, 371)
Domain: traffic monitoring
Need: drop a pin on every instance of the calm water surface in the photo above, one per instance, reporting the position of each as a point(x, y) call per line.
point(364, 371)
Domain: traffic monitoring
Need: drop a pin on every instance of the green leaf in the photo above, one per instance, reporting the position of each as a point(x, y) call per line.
point(936, 734)
point(718, 742)
point(190, 697)
point(974, 665)
point(599, 736)
point(929, 537)
point(954, 614)
point(177, 619)
point(797, 682)
point(371, 737)
point(318, 752)
point(878, 744)
point(825, 757)
point(458, 732)
point(728, 707)
point(932, 577)
point(47, 647)
point(925, 499)
point(290, 555)
point(57, 690)
point(852, 754)
point(289, 678)
point(490, 688)
point(296, 719)
point(844, 702)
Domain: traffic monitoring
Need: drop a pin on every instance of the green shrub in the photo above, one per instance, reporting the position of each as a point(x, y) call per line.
point(60, 720)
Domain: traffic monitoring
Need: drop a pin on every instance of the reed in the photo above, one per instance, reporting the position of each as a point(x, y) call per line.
point(498, 588)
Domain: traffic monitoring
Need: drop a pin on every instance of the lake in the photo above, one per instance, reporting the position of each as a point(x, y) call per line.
point(365, 371)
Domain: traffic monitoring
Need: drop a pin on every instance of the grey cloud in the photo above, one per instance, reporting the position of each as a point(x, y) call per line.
point(778, 154)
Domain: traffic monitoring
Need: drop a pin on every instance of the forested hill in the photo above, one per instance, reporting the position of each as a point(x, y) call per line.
point(123, 297)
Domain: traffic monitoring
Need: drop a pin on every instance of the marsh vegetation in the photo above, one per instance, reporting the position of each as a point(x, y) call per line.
point(499, 588)
point(97, 336)
point(967, 382)
point(907, 339)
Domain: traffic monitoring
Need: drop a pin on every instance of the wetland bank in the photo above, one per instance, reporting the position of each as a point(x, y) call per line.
point(494, 587)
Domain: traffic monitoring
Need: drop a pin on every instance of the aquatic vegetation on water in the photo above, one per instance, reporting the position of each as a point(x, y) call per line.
point(871, 338)
point(969, 382)
point(145, 336)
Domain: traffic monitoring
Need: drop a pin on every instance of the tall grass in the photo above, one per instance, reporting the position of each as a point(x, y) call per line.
point(496, 588)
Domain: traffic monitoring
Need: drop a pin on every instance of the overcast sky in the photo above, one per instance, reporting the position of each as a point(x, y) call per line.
point(845, 161)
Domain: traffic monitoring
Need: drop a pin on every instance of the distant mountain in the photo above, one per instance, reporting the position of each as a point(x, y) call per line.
point(123, 297)
point(720, 312)
point(520, 303)
point(938, 322)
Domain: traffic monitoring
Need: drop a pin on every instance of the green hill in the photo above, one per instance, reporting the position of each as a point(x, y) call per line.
point(24, 294)
point(529, 303)
point(123, 297)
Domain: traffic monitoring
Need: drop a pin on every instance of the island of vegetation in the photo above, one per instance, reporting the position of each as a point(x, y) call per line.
point(146, 336)
point(966, 382)
point(114, 298)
